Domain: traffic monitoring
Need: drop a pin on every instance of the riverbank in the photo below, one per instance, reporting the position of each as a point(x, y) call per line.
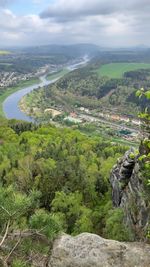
point(14, 89)
point(57, 74)
point(10, 102)
point(23, 106)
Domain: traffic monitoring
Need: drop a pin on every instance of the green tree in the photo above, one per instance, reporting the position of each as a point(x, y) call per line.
point(115, 227)
point(78, 217)
point(46, 223)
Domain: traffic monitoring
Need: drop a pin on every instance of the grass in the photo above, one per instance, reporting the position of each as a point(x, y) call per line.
point(4, 52)
point(116, 70)
point(57, 74)
point(125, 142)
point(12, 90)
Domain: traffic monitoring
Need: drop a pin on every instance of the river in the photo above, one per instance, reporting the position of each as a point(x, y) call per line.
point(11, 104)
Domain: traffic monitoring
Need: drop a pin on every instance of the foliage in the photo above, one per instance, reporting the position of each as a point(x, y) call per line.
point(45, 223)
point(145, 153)
point(19, 263)
point(144, 158)
point(115, 228)
point(51, 180)
point(15, 205)
point(77, 216)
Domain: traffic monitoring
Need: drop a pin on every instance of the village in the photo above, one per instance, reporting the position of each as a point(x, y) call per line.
point(9, 78)
point(128, 128)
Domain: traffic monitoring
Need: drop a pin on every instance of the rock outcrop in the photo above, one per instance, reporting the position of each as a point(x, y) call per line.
point(128, 193)
point(90, 250)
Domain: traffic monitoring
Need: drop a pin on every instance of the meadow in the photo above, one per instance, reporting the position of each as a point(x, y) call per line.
point(116, 70)
point(4, 52)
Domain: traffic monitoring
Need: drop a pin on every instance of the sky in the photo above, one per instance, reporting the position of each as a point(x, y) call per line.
point(107, 23)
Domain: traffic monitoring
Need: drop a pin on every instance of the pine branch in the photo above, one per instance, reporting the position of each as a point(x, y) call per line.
point(6, 233)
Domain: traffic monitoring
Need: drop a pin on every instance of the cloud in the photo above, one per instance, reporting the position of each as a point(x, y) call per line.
point(106, 23)
point(26, 30)
point(69, 10)
point(4, 2)
point(62, 10)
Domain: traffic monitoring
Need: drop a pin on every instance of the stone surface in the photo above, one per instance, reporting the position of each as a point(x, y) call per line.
point(90, 250)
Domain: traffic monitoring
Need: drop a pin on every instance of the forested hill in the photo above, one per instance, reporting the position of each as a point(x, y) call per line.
point(54, 180)
point(86, 87)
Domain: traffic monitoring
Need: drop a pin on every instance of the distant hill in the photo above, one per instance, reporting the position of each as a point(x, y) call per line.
point(28, 59)
point(68, 50)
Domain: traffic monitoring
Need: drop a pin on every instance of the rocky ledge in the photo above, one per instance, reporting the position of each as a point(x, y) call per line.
point(90, 250)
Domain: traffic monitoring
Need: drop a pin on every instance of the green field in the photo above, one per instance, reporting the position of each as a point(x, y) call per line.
point(12, 90)
point(116, 70)
point(58, 74)
point(4, 52)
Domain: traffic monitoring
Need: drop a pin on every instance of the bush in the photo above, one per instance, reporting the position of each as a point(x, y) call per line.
point(115, 228)
point(19, 263)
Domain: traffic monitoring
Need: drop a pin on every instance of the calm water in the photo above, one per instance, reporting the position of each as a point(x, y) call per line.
point(11, 103)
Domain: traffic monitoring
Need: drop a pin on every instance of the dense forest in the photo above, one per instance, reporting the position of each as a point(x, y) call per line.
point(54, 180)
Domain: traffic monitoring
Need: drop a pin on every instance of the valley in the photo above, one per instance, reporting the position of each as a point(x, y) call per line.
point(74, 153)
point(81, 99)
point(74, 133)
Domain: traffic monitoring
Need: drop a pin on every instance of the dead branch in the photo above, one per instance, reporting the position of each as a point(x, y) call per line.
point(6, 233)
point(13, 249)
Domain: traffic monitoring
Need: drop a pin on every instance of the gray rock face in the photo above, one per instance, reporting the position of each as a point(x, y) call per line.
point(128, 192)
point(89, 250)
point(120, 177)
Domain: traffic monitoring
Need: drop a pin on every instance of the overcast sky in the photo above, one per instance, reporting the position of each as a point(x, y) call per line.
point(111, 23)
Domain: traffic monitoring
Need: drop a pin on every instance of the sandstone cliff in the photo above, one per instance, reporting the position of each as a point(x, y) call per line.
point(128, 192)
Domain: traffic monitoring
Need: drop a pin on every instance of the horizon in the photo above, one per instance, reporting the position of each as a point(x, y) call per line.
point(19, 46)
point(26, 23)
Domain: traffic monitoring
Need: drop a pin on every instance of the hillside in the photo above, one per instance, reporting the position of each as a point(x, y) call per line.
point(85, 88)
point(55, 180)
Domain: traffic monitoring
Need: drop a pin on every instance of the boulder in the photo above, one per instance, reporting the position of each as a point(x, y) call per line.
point(90, 250)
